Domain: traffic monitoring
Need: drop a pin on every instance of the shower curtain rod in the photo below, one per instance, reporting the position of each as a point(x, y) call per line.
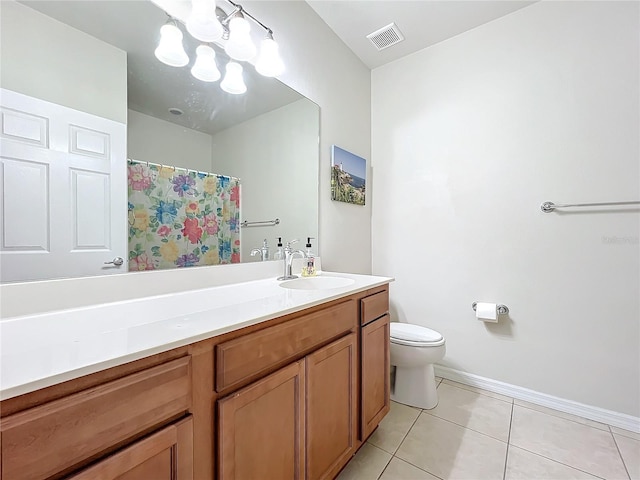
point(547, 207)
point(173, 167)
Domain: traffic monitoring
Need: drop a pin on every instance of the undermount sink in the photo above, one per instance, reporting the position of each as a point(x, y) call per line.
point(317, 283)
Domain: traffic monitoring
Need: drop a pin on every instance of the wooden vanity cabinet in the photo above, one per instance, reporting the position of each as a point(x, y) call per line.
point(301, 421)
point(290, 398)
point(375, 361)
point(57, 437)
point(298, 423)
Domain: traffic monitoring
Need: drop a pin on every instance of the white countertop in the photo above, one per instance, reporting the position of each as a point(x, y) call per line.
point(41, 350)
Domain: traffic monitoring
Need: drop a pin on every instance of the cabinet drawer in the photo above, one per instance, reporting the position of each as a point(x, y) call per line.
point(374, 306)
point(61, 434)
point(167, 454)
point(248, 356)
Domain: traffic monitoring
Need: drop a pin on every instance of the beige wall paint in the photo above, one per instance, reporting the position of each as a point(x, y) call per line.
point(89, 75)
point(276, 156)
point(540, 105)
point(152, 140)
point(323, 69)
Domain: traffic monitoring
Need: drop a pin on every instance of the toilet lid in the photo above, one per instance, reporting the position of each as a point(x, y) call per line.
point(407, 332)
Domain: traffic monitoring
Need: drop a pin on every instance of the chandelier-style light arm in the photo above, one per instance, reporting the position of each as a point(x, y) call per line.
point(239, 8)
point(228, 16)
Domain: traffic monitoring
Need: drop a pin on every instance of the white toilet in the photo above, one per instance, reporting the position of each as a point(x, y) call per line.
point(414, 350)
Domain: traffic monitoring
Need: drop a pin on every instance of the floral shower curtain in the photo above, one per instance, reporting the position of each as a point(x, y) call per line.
point(180, 218)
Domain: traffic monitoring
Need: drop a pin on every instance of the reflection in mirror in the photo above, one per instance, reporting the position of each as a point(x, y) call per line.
point(95, 59)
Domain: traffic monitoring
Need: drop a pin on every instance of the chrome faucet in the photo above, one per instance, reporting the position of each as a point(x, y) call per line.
point(263, 252)
point(288, 259)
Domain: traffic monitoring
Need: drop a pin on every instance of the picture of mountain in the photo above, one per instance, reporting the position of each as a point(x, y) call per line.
point(348, 176)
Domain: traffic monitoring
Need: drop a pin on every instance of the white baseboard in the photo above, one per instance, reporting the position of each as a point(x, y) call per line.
point(615, 419)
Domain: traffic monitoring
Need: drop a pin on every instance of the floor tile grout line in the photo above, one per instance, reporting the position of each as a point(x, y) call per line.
point(481, 391)
point(419, 468)
point(382, 450)
point(506, 455)
point(557, 461)
point(408, 430)
point(509, 444)
point(565, 418)
point(478, 392)
point(468, 428)
point(624, 464)
point(422, 410)
point(637, 439)
point(386, 465)
point(623, 433)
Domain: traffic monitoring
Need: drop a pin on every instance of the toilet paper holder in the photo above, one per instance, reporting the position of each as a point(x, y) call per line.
point(502, 309)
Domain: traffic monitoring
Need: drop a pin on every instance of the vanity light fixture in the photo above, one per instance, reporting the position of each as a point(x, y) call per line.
point(205, 67)
point(202, 23)
point(170, 49)
point(239, 46)
point(233, 82)
point(269, 63)
point(211, 25)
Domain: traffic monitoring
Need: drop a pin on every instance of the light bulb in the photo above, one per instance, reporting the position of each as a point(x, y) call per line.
point(239, 46)
point(269, 62)
point(202, 23)
point(170, 49)
point(205, 67)
point(233, 81)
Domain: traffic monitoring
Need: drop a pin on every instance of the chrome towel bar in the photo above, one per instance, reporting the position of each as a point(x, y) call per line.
point(502, 309)
point(547, 207)
point(263, 223)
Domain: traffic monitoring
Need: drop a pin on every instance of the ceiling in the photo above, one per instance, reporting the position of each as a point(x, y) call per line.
point(423, 23)
point(133, 26)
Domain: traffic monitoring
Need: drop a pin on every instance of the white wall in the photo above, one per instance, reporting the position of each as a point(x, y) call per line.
point(540, 105)
point(276, 156)
point(81, 71)
point(150, 139)
point(324, 70)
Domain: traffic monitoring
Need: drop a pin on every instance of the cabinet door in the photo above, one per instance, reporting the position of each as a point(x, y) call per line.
point(375, 374)
point(331, 385)
point(261, 428)
point(165, 455)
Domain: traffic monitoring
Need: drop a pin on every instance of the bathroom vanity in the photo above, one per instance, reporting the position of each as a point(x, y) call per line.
point(281, 384)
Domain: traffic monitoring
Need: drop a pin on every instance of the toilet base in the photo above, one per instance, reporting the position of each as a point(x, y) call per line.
point(415, 387)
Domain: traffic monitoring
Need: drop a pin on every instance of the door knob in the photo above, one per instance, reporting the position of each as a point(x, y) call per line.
point(116, 261)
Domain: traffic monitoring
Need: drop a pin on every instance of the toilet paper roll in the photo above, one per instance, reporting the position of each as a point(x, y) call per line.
point(487, 312)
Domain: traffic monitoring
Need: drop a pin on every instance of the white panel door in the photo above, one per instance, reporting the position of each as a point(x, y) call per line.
point(63, 191)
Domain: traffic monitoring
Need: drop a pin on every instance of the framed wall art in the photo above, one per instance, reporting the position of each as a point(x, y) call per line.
point(348, 176)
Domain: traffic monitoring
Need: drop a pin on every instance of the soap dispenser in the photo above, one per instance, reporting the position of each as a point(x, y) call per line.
point(279, 254)
point(309, 266)
point(265, 250)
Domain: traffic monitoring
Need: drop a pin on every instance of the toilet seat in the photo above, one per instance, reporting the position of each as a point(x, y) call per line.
point(414, 335)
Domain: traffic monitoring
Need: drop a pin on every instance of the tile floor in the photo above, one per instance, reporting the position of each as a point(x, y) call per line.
point(474, 434)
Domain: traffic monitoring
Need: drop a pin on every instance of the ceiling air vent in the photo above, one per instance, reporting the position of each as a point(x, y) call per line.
point(386, 36)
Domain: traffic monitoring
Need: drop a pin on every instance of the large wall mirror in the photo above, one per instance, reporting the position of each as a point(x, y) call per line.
point(267, 137)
